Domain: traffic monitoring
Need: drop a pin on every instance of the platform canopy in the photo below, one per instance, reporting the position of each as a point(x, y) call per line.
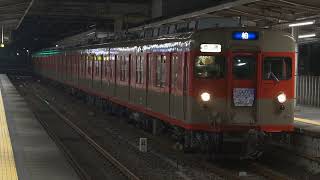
point(39, 22)
point(12, 13)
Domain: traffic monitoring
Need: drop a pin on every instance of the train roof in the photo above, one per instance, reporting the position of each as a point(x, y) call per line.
point(267, 40)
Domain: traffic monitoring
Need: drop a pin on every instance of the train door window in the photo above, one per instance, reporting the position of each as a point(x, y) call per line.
point(96, 67)
point(139, 70)
point(149, 68)
point(99, 65)
point(161, 73)
point(84, 65)
point(112, 65)
point(175, 70)
point(123, 68)
point(277, 68)
point(106, 63)
point(210, 66)
point(244, 67)
point(88, 63)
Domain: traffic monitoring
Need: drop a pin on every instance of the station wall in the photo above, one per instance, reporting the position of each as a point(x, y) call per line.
point(309, 59)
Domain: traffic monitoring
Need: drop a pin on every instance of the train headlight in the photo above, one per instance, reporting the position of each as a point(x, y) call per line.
point(282, 98)
point(205, 97)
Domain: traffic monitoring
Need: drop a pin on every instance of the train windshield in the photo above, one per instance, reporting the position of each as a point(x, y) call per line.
point(244, 67)
point(210, 66)
point(277, 68)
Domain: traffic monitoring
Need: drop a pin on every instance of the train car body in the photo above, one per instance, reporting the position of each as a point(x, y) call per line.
point(214, 80)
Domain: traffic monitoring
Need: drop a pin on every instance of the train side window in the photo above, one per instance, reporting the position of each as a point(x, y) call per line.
point(161, 73)
point(244, 67)
point(277, 68)
point(210, 67)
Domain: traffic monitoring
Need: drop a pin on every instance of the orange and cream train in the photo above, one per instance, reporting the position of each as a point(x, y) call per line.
point(211, 81)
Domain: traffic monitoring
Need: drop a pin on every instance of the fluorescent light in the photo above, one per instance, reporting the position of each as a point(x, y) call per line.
point(307, 36)
point(301, 24)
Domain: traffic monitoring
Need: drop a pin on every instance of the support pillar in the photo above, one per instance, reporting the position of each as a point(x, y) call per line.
point(295, 34)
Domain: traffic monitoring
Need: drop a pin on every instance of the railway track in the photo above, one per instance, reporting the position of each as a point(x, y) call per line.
point(262, 171)
point(97, 147)
point(115, 166)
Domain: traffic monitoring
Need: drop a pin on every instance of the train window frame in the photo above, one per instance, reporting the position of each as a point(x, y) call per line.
point(253, 73)
point(223, 69)
point(273, 75)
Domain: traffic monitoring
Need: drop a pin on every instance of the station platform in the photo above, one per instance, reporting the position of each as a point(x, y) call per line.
point(307, 118)
point(26, 150)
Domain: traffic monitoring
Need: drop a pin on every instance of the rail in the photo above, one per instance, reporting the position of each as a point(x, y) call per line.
point(308, 90)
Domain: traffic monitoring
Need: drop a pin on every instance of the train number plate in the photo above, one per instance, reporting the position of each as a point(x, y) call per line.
point(243, 97)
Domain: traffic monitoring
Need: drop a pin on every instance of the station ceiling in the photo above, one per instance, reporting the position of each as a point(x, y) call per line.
point(37, 22)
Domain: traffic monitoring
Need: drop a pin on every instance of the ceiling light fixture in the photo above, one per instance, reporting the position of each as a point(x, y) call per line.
point(2, 37)
point(307, 35)
point(302, 23)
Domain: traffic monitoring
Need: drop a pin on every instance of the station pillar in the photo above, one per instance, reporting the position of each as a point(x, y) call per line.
point(295, 34)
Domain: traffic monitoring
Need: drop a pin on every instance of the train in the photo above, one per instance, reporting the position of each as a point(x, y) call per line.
point(203, 84)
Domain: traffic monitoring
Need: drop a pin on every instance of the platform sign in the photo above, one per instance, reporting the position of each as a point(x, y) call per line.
point(243, 97)
point(245, 35)
point(143, 144)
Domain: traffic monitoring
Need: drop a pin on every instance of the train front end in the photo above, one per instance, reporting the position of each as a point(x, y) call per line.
point(242, 80)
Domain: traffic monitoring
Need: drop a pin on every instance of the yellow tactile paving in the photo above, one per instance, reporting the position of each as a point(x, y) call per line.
point(308, 121)
point(8, 169)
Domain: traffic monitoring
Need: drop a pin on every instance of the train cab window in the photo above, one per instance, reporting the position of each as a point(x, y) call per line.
point(210, 67)
point(277, 68)
point(244, 67)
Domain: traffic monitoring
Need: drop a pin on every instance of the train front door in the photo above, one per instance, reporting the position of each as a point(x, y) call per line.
point(243, 88)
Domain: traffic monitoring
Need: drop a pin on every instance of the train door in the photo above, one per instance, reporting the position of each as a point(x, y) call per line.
point(176, 92)
point(243, 88)
point(159, 84)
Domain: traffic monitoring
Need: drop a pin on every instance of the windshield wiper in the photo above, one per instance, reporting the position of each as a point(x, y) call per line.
point(273, 76)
